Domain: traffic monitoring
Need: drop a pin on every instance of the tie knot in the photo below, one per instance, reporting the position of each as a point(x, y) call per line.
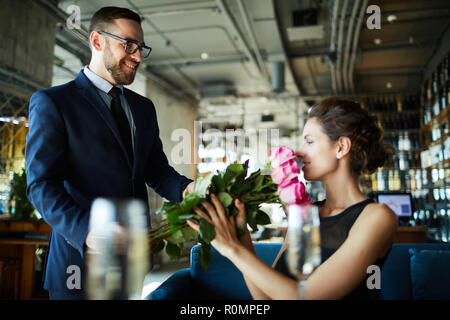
point(115, 92)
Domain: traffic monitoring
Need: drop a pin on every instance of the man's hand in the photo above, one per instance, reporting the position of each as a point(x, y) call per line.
point(94, 241)
point(190, 188)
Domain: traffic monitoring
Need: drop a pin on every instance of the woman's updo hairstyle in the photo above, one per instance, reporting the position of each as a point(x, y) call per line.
point(345, 118)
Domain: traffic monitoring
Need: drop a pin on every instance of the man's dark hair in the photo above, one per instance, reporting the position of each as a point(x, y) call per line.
point(107, 15)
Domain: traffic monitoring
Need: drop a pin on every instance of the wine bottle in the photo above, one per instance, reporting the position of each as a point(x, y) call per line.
point(445, 95)
point(429, 101)
point(413, 179)
point(445, 68)
point(374, 182)
point(380, 181)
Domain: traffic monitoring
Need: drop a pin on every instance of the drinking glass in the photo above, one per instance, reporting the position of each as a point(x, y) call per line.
point(117, 267)
point(303, 239)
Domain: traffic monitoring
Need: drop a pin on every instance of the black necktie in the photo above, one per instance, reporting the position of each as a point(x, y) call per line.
point(121, 120)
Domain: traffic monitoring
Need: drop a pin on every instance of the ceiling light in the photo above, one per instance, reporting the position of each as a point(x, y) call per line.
point(377, 41)
point(388, 85)
point(391, 18)
point(204, 55)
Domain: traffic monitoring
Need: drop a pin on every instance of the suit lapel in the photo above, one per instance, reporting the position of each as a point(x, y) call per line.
point(89, 93)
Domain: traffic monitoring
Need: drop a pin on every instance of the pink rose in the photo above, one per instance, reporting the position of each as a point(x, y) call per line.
point(293, 192)
point(285, 172)
point(280, 155)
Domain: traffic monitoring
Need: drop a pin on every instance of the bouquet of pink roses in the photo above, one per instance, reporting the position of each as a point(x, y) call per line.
point(280, 186)
point(285, 171)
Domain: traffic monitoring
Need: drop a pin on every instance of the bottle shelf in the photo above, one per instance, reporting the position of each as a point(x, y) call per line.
point(440, 165)
point(397, 131)
point(436, 119)
point(395, 113)
point(439, 141)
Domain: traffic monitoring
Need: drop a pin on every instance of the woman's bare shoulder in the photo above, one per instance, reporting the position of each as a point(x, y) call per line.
point(375, 218)
point(380, 212)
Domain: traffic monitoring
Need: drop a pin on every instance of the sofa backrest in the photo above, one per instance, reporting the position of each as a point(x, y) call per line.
point(396, 273)
point(223, 280)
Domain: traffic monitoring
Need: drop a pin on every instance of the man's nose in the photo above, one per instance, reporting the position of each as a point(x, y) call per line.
point(137, 57)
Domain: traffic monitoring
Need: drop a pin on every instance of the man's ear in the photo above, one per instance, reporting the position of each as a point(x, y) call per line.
point(96, 41)
point(344, 144)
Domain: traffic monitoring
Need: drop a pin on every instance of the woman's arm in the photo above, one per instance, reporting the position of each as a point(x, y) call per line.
point(256, 293)
point(369, 239)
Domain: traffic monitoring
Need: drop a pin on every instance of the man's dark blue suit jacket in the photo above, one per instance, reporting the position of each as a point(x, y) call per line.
point(74, 154)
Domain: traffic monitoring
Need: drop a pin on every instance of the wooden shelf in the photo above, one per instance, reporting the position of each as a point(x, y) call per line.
point(441, 165)
point(441, 140)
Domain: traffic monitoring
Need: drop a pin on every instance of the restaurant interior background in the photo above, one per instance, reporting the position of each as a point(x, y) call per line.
point(241, 65)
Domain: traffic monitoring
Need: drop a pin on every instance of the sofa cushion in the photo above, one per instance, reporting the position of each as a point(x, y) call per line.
point(395, 275)
point(430, 276)
point(223, 280)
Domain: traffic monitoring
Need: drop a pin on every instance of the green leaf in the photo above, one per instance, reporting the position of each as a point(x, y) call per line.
point(233, 170)
point(189, 234)
point(205, 255)
point(207, 232)
point(262, 218)
point(258, 183)
point(225, 199)
point(173, 217)
point(190, 202)
point(202, 184)
point(232, 211)
point(245, 166)
point(218, 183)
point(176, 237)
point(186, 216)
point(239, 188)
point(167, 206)
point(173, 251)
point(157, 247)
point(251, 219)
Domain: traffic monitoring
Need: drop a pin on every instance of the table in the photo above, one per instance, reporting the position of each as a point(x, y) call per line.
point(23, 249)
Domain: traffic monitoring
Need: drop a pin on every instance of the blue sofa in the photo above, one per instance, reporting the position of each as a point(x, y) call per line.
point(411, 271)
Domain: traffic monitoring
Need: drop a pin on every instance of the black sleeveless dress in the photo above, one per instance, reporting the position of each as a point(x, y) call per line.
point(333, 232)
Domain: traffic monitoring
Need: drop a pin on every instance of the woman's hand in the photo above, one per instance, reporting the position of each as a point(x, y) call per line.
point(226, 240)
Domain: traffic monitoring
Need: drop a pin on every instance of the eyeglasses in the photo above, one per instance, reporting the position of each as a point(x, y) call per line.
point(131, 46)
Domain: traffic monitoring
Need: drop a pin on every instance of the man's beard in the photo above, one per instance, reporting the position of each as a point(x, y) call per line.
point(116, 69)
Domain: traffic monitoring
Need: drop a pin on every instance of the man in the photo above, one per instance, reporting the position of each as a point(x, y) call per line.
point(94, 138)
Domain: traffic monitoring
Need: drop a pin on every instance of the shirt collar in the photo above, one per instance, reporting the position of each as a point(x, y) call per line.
point(99, 82)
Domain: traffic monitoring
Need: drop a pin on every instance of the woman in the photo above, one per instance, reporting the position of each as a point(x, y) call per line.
point(340, 141)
